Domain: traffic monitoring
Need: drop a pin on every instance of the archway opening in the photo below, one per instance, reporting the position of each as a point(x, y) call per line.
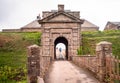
point(61, 48)
point(60, 51)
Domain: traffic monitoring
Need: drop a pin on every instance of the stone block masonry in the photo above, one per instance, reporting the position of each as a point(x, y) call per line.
point(33, 63)
point(97, 64)
point(37, 64)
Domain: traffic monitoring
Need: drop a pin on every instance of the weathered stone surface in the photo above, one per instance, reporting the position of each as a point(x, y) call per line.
point(58, 25)
point(33, 63)
point(44, 65)
point(96, 64)
point(37, 64)
point(40, 80)
point(102, 50)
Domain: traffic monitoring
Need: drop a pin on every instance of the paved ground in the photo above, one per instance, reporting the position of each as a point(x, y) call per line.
point(66, 72)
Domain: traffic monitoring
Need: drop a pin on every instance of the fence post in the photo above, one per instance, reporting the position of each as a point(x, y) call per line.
point(33, 63)
point(103, 49)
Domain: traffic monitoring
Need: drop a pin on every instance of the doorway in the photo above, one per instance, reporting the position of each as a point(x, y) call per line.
point(61, 48)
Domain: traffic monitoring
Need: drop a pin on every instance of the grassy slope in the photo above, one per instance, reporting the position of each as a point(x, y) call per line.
point(13, 50)
point(90, 39)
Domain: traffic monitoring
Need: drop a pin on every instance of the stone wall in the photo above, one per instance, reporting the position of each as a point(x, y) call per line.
point(45, 63)
point(23, 30)
point(37, 64)
point(88, 62)
point(103, 49)
point(33, 63)
point(11, 30)
point(96, 64)
point(31, 29)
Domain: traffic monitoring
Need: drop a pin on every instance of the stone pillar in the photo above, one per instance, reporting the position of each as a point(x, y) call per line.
point(103, 49)
point(33, 63)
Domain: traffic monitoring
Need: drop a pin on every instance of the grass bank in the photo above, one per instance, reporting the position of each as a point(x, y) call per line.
point(90, 39)
point(13, 47)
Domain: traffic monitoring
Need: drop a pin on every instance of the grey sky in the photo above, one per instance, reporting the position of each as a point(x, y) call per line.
point(18, 13)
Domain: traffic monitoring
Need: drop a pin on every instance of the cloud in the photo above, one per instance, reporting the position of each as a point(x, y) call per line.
point(17, 13)
point(6, 8)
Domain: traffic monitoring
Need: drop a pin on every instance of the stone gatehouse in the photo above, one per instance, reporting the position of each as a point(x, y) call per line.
point(60, 26)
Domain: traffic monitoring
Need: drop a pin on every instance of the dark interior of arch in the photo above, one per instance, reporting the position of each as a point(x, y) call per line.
point(61, 40)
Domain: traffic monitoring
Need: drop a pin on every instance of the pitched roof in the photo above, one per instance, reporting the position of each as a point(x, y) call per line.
point(33, 24)
point(74, 19)
point(116, 23)
point(88, 24)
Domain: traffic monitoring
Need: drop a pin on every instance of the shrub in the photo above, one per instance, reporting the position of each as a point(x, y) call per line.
point(9, 73)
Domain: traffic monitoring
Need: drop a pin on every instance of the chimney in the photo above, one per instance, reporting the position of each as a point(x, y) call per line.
point(60, 7)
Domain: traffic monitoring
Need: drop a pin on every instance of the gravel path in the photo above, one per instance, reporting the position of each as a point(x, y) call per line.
point(66, 72)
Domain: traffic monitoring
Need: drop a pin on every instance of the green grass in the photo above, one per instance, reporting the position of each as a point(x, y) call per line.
point(13, 49)
point(90, 39)
point(13, 57)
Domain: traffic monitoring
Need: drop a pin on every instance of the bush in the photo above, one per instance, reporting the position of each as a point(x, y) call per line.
point(9, 73)
point(13, 59)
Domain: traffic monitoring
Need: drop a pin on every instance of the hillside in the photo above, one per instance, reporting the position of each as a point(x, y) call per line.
point(90, 39)
point(13, 47)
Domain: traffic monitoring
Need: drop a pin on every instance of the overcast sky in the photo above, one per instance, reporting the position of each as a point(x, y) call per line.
point(18, 13)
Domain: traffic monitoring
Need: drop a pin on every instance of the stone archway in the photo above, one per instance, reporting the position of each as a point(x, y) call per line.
point(60, 27)
point(65, 42)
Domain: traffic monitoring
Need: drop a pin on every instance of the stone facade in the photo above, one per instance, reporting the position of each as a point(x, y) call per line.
point(60, 27)
point(112, 26)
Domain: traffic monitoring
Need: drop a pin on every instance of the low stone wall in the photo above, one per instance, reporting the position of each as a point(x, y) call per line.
point(89, 62)
point(37, 64)
point(31, 29)
point(44, 65)
point(11, 30)
point(23, 30)
point(97, 64)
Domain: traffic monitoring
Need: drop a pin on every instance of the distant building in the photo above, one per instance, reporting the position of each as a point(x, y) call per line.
point(88, 26)
point(11, 30)
point(112, 26)
point(34, 26)
point(31, 27)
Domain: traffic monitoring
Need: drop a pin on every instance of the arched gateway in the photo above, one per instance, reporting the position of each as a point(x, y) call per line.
point(60, 26)
point(65, 42)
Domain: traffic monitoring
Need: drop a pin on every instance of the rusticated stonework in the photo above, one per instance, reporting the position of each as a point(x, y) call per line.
point(60, 27)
